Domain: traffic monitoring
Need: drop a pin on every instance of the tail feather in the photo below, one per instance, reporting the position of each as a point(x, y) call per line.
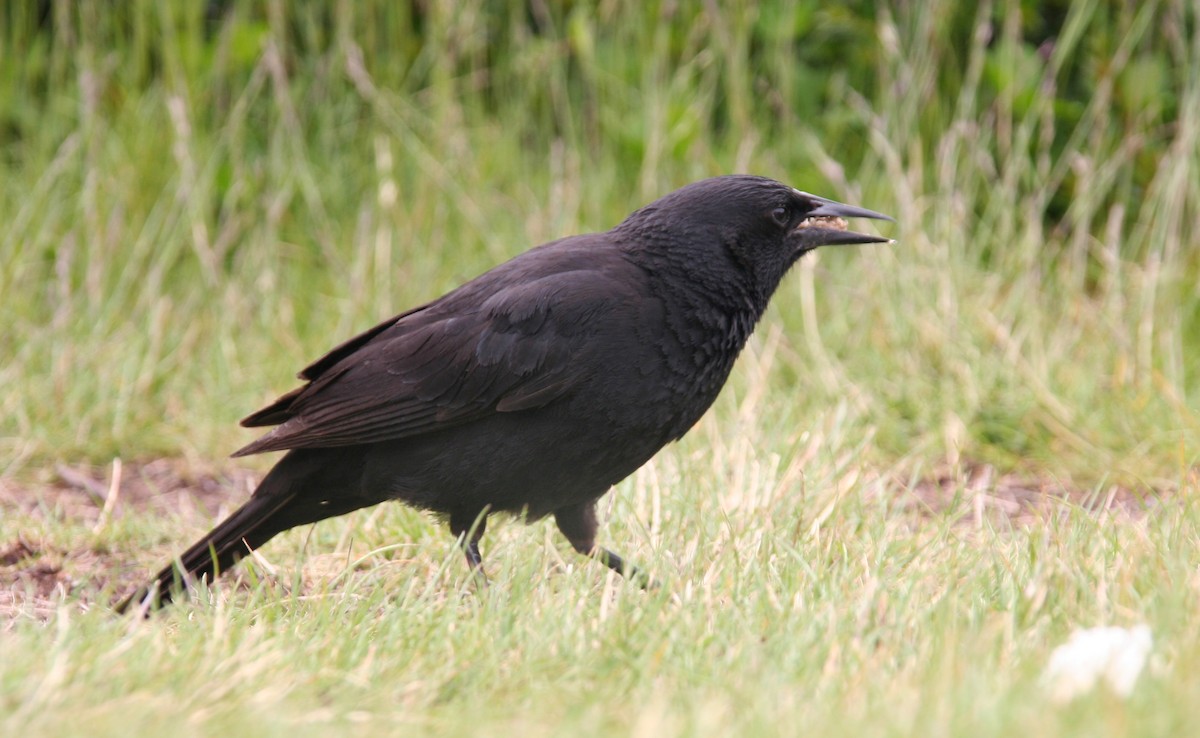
point(248, 528)
point(306, 485)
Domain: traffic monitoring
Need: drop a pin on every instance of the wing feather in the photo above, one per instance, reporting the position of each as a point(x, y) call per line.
point(444, 365)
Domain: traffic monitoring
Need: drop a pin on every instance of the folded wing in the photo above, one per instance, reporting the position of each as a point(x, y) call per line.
point(447, 363)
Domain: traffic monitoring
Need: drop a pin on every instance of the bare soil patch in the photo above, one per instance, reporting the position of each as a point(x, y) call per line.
point(1023, 499)
point(85, 493)
point(35, 574)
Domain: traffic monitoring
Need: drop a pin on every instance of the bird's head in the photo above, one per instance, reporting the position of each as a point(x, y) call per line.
point(762, 225)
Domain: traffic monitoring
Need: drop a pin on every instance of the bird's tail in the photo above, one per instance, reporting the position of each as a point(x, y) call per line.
point(306, 485)
point(248, 528)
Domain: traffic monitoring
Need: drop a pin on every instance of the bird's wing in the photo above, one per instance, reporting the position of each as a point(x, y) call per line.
point(446, 363)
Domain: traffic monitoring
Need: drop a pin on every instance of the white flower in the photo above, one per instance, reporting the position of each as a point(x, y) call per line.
point(1114, 655)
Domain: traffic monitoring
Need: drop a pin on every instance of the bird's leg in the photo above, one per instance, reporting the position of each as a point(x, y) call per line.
point(468, 529)
point(578, 524)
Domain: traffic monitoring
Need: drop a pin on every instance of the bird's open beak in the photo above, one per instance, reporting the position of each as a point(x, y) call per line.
point(813, 232)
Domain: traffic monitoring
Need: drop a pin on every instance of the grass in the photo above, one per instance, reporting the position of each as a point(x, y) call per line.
point(771, 615)
point(194, 209)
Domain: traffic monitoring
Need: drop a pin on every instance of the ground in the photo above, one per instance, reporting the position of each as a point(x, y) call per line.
point(36, 573)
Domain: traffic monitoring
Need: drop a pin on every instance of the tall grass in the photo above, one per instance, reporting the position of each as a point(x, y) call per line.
point(195, 205)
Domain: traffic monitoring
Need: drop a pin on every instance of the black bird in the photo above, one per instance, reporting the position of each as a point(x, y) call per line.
point(535, 387)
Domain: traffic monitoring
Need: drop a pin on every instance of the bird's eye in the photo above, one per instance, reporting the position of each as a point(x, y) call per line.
point(781, 215)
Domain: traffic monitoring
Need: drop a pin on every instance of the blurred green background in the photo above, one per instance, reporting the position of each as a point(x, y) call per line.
point(199, 198)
